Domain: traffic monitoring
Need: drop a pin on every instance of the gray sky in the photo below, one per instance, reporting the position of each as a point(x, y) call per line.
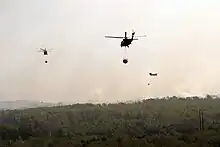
point(182, 45)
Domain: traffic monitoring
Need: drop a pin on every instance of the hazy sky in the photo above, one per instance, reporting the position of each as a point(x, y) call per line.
point(182, 45)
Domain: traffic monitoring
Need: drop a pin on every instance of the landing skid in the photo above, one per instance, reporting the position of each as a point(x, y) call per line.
point(125, 46)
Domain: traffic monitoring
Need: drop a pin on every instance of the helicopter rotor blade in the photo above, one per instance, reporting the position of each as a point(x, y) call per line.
point(114, 37)
point(42, 49)
point(142, 36)
point(49, 50)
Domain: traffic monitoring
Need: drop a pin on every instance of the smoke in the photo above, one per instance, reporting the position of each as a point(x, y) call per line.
point(182, 46)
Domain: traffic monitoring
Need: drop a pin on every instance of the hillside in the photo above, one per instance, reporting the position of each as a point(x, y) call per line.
point(23, 104)
point(171, 122)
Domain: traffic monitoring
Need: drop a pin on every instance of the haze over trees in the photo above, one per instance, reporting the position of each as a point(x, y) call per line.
point(168, 122)
point(23, 104)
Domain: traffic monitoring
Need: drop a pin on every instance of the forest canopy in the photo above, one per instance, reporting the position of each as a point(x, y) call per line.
point(168, 122)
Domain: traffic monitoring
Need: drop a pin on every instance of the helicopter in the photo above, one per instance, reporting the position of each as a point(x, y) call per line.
point(45, 51)
point(153, 74)
point(126, 42)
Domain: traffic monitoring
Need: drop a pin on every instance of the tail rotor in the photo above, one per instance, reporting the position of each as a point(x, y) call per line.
point(133, 32)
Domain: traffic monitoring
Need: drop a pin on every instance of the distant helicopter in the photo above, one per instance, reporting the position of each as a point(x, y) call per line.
point(153, 74)
point(45, 51)
point(126, 42)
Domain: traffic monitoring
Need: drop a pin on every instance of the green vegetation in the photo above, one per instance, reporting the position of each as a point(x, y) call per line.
point(168, 122)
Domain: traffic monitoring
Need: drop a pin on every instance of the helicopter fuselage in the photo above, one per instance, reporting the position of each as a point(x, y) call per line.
point(153, 74)
point(126, 42)
point(45, 53)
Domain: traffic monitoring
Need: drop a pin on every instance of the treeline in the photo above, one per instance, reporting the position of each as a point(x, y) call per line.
point(167, 122)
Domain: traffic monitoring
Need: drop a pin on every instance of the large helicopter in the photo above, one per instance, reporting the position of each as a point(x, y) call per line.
point(126, 42)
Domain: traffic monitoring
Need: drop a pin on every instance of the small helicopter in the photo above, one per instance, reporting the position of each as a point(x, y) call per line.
point(153, 74)
point(126, 41)
point(45, 51)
